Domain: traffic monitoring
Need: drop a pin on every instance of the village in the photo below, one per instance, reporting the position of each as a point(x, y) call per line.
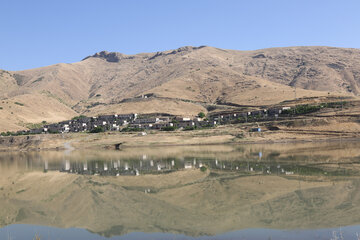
point(140, 123)
point(135, 122)
point(121, 122)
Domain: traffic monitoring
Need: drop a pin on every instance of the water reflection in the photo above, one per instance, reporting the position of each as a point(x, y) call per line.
point(304, 159)
point(184, 191)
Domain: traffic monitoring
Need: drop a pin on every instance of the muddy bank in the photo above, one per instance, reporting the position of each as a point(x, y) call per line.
point(32, 142)
point(118, 140)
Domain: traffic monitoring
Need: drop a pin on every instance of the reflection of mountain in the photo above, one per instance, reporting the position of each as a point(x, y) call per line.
point(332, 158)
point(189, 202)
point(185, 201)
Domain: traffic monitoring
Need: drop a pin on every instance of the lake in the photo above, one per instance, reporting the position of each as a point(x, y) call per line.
point(254, 191)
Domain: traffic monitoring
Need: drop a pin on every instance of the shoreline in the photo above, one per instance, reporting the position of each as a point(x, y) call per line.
point(100, 141)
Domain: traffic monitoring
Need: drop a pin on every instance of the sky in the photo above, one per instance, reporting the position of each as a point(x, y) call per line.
point(38, 33)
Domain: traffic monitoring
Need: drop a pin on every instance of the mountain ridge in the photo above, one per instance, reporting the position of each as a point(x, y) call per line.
point(181, 81)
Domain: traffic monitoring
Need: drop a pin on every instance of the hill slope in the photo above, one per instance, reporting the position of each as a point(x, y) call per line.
point(184, 81)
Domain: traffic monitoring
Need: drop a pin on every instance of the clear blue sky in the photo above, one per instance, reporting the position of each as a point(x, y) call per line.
point(35, 33)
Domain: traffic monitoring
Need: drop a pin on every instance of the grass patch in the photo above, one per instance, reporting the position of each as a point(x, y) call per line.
point(130, 129)
point(190, 128)
point(21, 215)
point(35, 125)
point(38, 80)
point(97, 130)
point(79, 117)
point(49, 94)
point(22, 190)
point(334, 104)
point(168, 129)
point(18, 103)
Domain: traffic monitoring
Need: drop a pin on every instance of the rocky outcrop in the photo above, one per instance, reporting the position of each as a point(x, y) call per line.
point(109, 56)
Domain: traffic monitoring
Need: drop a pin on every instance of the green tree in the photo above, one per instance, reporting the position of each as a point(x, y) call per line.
point(168, 128)
point(201, 115)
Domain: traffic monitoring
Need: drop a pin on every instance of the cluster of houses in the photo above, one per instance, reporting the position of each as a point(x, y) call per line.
point(117, 122)
point(84, 124)
point(249, 116)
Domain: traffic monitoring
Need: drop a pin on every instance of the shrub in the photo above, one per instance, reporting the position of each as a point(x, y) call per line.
point(8, 134)
point(241, 119)
point(20, 104)
point(210, 108)
point(203, 169)
point(240, 135)
point(304, 109)
point(334, 104)
point(168, 129)
point(97, 130)
point(207, 126)
point(287, 111)
point(201, 115)
point(129, 129)
point(190, 128)
point(53, 131)
point(79, 117)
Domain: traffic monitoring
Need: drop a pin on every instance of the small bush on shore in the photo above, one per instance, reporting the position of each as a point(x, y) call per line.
point(97, 130)
point(129, 129)
point(190, 128)
point(79, 117)
point(168, 129)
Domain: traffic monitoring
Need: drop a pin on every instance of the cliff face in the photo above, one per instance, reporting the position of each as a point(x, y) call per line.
point(180, 81)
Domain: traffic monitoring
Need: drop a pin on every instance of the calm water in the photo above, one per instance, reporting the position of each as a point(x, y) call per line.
point(287, 191)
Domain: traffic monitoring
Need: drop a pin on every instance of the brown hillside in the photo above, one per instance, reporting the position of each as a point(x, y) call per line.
point(182, 82)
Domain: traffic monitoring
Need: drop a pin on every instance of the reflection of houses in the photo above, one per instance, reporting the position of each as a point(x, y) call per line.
point(145, 164)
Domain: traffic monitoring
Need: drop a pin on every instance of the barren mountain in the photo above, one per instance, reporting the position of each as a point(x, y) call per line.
point(184, 81)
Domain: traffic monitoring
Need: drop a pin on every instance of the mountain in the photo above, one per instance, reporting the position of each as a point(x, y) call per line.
point(184, 81)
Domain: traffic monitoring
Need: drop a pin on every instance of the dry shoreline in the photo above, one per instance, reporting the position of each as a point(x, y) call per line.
point(309, 128)
point(230, 134)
